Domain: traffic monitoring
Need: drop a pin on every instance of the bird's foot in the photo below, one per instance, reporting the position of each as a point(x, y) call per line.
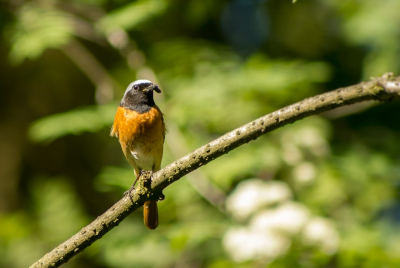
point(142, 172)
point(144, 177)
point(145, 181)
point(130, 190)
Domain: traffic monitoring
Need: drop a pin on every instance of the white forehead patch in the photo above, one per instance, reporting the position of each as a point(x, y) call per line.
point(137, 82)
point(142, 81)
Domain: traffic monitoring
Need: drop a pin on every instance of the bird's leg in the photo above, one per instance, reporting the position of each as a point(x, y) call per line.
point(129, 191)
point(137, 177)
point(144, 178)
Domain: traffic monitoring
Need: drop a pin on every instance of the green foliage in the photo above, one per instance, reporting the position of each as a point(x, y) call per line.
point(37, 29)
point(114, 178)
point(322, 192)
point(54, 223)
point(374, 28)
point(130, 15)
point(89, 119)
point(57, 212)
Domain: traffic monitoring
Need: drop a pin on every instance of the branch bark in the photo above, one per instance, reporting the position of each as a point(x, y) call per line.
point(383, 88)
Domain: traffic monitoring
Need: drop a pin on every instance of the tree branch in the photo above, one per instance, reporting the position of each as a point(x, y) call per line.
point(383, 88)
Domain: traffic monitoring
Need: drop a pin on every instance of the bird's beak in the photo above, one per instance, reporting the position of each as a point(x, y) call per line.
point(156, 88)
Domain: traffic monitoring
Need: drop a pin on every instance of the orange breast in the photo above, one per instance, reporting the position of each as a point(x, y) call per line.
point(140, 132)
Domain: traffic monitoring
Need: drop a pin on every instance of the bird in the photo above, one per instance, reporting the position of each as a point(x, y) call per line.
point(140, 128)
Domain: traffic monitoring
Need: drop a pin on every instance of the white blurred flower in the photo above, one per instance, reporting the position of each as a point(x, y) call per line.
point(251, 195)
point(288, 218)
point(314, 139)
point(305, 172)
point(243, 244)
point(309, 137)
point(321, 232)
point(291, 153)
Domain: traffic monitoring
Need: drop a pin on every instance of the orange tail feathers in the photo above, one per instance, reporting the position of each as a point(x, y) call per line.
point(150, 214)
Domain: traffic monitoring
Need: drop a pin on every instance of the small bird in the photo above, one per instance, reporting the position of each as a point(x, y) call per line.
point(140, 128)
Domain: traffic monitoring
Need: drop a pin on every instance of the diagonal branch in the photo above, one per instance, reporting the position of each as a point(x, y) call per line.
point(383, 88)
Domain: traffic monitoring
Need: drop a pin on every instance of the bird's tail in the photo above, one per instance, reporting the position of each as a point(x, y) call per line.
point(150, 214)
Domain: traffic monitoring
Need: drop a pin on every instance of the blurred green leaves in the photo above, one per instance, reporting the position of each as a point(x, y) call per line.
point(59, 210)
point(14, 226)
point(333, 169)
point(217, 90)
point(36, 29)
point(114, 178)
point(375, 29)
point(90, 119)
point(130, 15)
point(57, 213)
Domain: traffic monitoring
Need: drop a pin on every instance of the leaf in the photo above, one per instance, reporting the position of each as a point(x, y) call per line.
point(114, 178)
point(131, 15)
point(36, 30)
point(90, 119)
point(54, 223)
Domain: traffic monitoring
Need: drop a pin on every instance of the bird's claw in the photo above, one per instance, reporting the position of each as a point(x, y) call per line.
point(146, 183)
point(129, 191)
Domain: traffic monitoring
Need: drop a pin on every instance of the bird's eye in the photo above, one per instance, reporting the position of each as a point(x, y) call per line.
point(136, 87)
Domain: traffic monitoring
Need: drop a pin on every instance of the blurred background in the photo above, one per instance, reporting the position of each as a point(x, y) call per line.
point(323, 192)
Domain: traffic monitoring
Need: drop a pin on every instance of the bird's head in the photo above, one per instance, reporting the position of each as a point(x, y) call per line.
point(138, 95)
